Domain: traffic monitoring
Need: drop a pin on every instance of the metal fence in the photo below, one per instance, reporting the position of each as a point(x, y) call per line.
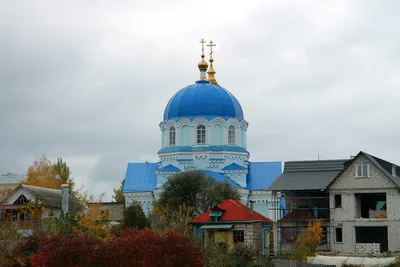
point(296, 263)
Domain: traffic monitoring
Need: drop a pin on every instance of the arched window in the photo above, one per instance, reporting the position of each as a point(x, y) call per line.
point(172, 136)
point(201, 134)
point(231, 135)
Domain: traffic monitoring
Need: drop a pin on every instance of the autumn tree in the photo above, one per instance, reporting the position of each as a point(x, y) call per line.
point(118, 193)
point(95, 221)
point(44, 173)
point(195, 189)
point(163, 219)
point(308, 241)
point(64, 173)
point(134, 217)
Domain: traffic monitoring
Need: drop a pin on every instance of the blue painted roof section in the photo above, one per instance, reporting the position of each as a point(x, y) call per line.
point(203, 100)
point(202, 148)
point(170, 168)
point(262, 174)
point(220, 178)
point(234, 167)
point(140, 177)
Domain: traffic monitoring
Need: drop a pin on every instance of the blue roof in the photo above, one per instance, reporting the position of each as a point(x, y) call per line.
point(203, 100)
point(234, 167)
point(202, 148)
point(262, 174)
point(220, 178)
point(140, 177)
point(170, 168)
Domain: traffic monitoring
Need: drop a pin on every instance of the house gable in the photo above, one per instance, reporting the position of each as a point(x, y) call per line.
point(348, 178)
point(14, 195)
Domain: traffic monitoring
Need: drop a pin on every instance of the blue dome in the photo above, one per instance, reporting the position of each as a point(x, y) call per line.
point(203, 100)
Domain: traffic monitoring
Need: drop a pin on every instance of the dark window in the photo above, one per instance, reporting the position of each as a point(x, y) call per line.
point(201, 134)
point(338, 235)
point(172, 136)
point(21, 200)
point(338, 201)
point(238, 236)
point(231, 135)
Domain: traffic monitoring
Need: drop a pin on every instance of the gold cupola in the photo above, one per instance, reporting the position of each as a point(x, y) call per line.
point(211, 71)
point(203, 65)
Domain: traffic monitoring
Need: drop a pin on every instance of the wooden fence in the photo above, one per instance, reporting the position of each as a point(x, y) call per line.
point(296, 263)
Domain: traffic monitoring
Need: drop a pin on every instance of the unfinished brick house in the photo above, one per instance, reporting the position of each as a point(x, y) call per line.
point(365, 206)
point(303, 187)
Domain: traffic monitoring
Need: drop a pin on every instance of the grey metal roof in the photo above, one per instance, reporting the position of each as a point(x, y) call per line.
point(11, 178)
point(307, 175)
point(52, 197)
point(386, 167)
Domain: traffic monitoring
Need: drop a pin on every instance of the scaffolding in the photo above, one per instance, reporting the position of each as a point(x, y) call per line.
point(301, 207)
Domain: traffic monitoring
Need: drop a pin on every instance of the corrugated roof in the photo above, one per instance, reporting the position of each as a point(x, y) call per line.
point(233, 211)
point(11, 178)
point(52, 197)
point(140, 177)
point(314, 165)
point(307, 175)
point(234, 167)
point(262, 174)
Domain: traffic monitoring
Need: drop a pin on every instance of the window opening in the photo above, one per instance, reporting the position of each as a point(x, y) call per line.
point(172, 136)
point(238, 236)
point(362, 170)
point(231, 135)
point(338, 201)
point(21, 200)
point(370, 205)
point(201, 134)
point(338, 235)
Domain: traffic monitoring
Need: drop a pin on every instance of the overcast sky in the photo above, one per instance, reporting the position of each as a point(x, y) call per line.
point(88, 81)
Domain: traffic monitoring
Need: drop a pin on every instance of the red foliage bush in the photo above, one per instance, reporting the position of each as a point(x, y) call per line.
point(132, 248)
point(144, 248)
point(67, 250)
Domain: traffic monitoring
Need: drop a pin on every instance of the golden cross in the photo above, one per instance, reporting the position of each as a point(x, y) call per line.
point(202, 45)
point(211, 46)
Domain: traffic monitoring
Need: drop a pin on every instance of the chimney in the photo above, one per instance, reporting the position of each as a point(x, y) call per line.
point(394, 170)
point(64, 198)
point(251, 206)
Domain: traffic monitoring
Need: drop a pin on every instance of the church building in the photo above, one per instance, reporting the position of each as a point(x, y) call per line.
point(203, 128)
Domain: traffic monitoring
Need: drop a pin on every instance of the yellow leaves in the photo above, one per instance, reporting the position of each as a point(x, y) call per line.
point(311, 238)
point(95, 221)
point(164, 219)
point(43, 173)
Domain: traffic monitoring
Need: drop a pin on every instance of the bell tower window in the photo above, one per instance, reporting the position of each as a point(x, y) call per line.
point(172, 136)
point(201, 134)
point(231, 135)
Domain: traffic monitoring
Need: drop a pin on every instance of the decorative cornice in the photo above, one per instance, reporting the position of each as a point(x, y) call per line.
point(196, 121)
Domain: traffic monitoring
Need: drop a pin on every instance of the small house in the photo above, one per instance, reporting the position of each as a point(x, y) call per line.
point(231, 222)
point(15, 207)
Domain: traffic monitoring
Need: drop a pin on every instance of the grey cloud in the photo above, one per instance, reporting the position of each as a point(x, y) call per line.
point(90, 82)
